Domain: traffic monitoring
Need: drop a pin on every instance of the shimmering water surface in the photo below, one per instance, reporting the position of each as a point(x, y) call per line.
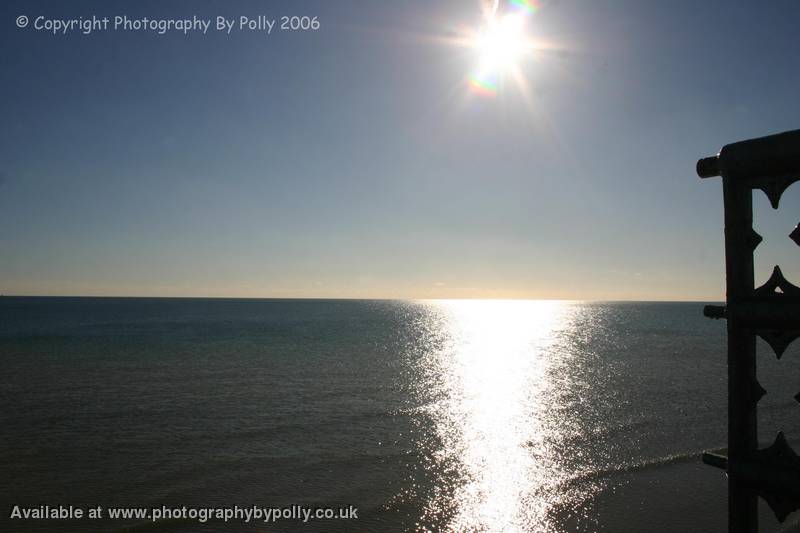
point(457, 415)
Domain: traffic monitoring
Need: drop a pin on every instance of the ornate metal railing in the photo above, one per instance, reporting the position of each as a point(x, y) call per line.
point(771, 311)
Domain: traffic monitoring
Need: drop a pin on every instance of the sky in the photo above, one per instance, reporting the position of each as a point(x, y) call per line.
point(354, 161)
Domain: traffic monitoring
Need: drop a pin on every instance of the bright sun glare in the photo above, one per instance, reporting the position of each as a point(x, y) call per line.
point(501, 44)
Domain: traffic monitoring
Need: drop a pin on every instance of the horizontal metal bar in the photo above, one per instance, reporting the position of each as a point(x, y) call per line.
point(714, 459)
point(715, 311)
point(771, 315)
point(765, 476)
point(708, 167)
point(762, 158)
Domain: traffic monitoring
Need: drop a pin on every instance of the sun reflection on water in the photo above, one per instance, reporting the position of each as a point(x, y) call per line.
point(493, 388)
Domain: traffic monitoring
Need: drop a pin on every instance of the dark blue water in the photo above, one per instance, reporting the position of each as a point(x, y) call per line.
point(460, 415)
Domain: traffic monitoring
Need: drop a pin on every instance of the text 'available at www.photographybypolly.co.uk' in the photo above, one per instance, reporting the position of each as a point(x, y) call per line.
point(200, 514)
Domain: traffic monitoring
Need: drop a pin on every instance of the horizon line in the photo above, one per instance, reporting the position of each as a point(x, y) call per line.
point(322, 298)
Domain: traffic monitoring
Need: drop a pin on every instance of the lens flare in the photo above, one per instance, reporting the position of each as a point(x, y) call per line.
point(483, 84)
point(529, 7)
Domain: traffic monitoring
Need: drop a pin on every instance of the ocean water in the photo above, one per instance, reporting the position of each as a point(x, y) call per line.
point(461, 415)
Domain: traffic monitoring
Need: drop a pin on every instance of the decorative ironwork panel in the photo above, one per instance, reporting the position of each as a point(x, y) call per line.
point(771, 311)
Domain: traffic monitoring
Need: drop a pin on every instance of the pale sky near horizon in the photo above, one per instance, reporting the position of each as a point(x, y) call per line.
point(353, 161)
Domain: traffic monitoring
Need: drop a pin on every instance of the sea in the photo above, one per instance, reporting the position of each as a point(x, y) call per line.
point(446, 415)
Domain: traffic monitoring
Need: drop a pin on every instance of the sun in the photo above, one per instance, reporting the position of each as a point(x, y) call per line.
point(501, 44)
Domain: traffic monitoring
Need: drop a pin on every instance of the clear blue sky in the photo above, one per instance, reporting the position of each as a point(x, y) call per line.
point(353, 161)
